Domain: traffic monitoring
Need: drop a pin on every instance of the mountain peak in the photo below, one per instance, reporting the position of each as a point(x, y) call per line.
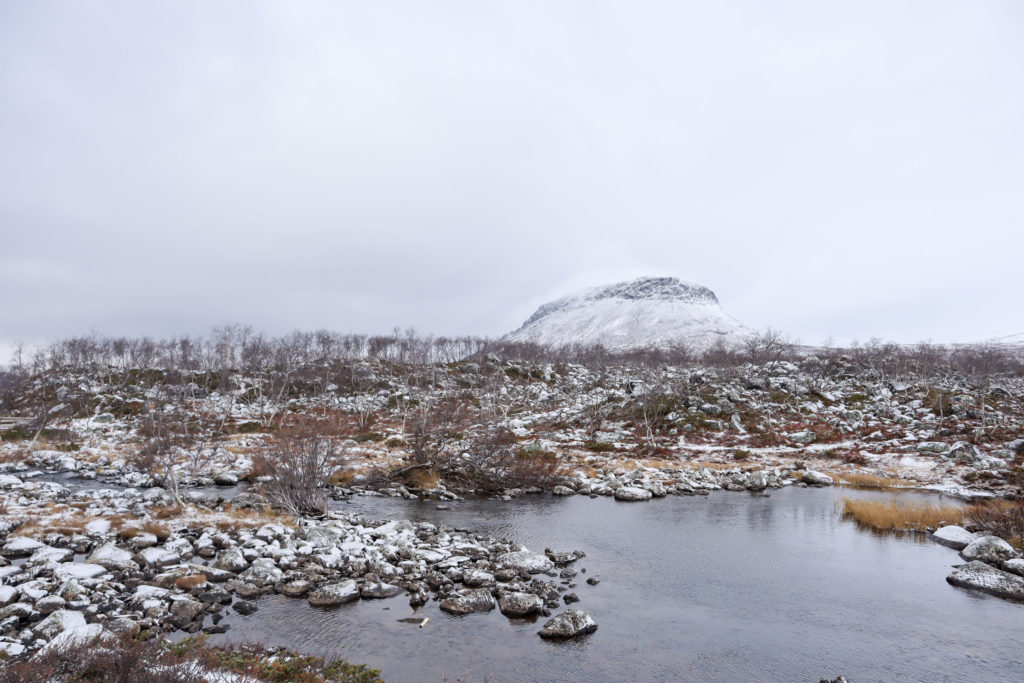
point(645, 312)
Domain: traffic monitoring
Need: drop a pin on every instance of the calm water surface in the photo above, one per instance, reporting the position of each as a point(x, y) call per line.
point(730, 587)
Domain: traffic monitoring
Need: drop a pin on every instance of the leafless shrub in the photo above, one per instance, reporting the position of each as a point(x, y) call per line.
point(127, 660)
point(1003, 518)
point(496, 461)
point(299, 464)
point(531, 467)
point(433, 430)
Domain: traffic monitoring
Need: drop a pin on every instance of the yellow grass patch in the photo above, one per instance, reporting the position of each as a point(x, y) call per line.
point(871, 481)
point(161, 531)
point(190, 582)
point(425, 479)
point(343, 477)
point(884, 515)
point(166, 511)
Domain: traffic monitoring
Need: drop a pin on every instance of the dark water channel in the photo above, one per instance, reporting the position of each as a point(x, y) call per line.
point(728, 587)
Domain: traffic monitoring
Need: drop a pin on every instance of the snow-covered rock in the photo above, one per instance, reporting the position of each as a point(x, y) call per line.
point(525, 560)
point(517, 604)
point(78, 570)
point(984, 577)
point(632, 493)
point(59, 621)
point(953, 536)
point(379, 589)
point(155, 558)
point(75, 636)
point(469, 601)
point(650, 311)
point(569, 624)
point(334, 594)
point(991, 549)
point(112, 557)
point(20, 546)
point(1014, 566)
point(815, 478)
point(231, 560)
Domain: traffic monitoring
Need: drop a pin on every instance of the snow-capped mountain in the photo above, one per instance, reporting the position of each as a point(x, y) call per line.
point(1009, 340)
point(646, 312)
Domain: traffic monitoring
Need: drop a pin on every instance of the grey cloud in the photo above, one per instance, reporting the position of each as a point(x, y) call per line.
point(829, 170)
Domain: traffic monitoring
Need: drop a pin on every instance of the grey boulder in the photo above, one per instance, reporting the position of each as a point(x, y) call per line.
point(571, 623)
point(815, 478)
point(467, 602)
point(988, 579)
point(953, 536)
point(632, 494)
point(516, 604)
point(334, 594)
point(991, 549)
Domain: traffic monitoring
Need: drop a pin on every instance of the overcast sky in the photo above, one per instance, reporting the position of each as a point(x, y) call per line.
point(836, 169)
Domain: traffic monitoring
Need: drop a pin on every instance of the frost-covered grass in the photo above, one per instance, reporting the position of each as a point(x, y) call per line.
point(883, 515)
point(187, 661)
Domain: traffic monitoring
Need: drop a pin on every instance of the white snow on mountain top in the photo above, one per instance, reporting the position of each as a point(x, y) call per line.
point(646, 312)
point(1010, 339)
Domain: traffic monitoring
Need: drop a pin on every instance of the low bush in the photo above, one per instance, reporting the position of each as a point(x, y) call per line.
point(299, 465)
point(1002, 518)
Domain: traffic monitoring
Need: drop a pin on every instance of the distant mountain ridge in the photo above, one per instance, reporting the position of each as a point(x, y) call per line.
point(646, 312)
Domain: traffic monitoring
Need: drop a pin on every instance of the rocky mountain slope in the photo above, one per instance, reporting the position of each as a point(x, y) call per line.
point(646, 312)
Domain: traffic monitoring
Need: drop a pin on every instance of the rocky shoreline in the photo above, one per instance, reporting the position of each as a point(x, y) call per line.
point(108, 563)
point(104, 562)
point(993, 566)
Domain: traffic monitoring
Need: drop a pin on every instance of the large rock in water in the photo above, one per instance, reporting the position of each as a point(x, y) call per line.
point(515, 604)
point(379, 589)
point(953, 536)
point(986, 578)
point(991, 549)
point(525, 560)
point(569, 624)
point(467, 602)
point(632, 494)
point(334, 594)
point(815, 478)
point(647, 312)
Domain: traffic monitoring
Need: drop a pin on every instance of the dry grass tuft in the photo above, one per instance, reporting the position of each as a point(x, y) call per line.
point(342, 477)
point(884, 515)
point(251, 518)
point(871, 481)
point(161, 531)
point(68, 527)
point(425, 479)
point(166, 511)
point(190, 582)
point(129, 532)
